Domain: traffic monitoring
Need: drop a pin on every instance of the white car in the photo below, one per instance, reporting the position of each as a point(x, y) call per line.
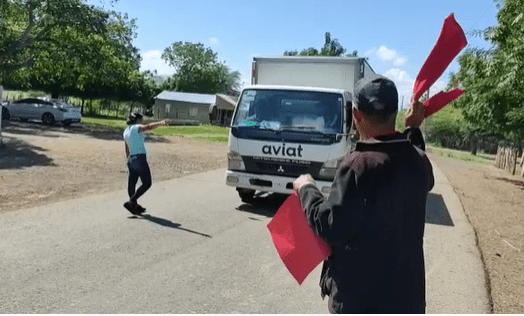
point(47, 112)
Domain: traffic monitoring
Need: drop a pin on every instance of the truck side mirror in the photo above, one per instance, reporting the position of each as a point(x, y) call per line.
point(349, 117)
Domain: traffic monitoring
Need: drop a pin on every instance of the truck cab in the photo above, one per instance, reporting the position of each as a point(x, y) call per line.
point(279, 132)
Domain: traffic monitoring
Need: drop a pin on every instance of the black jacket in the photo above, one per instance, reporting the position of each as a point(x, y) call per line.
point(374, 220)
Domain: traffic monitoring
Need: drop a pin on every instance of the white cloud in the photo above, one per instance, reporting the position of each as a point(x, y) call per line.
point(404, 83)
point(213, 41)
point(151, 60)
point(386, 54)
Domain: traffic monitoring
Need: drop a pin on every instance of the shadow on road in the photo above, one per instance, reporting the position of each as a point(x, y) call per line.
point(265, 204)
point(167, 223)
point(17, 154)
point(39, 129)
point(437, 212)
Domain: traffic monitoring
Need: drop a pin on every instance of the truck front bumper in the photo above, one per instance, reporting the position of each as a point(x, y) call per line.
point(268, 183)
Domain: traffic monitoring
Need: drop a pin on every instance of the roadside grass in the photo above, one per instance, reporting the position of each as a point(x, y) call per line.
point(206, 133)
point(462, 155)
point(106, 122)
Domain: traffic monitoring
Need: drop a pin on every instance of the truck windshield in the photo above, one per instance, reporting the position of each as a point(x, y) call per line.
point(289, 110)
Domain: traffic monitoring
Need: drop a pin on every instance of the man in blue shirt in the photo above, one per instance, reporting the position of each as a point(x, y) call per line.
point(137, 160)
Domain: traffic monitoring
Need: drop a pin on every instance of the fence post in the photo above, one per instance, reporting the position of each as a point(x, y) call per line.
point(497, 157)
point(503, 162)
point(514, 154)
point(522, 164)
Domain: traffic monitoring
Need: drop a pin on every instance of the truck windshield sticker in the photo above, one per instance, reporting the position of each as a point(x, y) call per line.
point(247, 123)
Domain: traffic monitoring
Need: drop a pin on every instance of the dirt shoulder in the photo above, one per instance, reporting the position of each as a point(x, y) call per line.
point(43, 164)
point(493, 201)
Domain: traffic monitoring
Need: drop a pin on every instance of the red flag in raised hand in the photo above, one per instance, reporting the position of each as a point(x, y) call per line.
point(440, 100)
point(450, 42)
point(299, 248)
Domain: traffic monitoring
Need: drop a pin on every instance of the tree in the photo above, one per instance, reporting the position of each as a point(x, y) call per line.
point(28, 26)
point(493, 79)
point(331, 48)
point(87, 63)
point(197, 69)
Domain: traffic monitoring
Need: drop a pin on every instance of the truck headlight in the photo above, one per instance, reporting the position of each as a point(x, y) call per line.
point(329, 169)
point(234, 161)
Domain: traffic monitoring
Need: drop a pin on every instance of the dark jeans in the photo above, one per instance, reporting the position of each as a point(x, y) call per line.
point(138, 168)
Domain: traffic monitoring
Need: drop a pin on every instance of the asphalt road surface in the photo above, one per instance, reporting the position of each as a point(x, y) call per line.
point(198, 249)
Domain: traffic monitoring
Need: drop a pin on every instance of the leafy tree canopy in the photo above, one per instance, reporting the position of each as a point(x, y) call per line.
point(493, 79)
point(67, 47)
point(331, 48)
point(197, 69)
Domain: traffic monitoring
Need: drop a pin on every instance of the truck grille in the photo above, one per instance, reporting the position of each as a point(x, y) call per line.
point(281, 167)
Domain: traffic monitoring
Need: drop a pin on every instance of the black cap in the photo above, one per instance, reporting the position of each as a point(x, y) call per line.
point(375, 95)
point(133, 118)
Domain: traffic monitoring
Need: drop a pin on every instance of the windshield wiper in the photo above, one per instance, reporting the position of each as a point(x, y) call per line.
point(302, 129)
point(299, 127)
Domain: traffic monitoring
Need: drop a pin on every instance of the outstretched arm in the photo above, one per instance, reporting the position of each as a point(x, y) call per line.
point(152, 126)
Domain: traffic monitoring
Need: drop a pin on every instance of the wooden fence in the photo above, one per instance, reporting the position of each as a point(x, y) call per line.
point(507, 159)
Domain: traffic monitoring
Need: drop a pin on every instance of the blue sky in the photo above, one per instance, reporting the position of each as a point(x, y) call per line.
point(396, 36)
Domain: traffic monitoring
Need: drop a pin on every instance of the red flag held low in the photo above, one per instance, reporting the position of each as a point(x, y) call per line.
point(440, 100)
point(449, 43)
point(296, 243)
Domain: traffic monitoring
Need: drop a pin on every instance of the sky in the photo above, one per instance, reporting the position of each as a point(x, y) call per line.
point(395, 36)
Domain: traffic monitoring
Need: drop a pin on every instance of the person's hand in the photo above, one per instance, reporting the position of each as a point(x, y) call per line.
point(414, 116)
point(302, 180)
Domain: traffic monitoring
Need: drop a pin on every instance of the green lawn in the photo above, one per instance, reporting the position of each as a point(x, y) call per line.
point(462, 155)
point(208, 133)
point(112, 123)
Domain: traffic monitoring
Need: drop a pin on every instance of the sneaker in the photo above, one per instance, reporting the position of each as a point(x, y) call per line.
point(131, 207)
point(139, 209)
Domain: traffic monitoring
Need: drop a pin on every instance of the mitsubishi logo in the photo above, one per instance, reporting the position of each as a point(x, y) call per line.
point(280, 169)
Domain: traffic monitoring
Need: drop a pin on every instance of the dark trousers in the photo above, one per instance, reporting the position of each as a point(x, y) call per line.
point(138, 168)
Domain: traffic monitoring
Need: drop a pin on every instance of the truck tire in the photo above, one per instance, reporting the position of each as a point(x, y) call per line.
point(246, 195)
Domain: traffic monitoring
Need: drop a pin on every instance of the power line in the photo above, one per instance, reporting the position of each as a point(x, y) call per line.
point(493, 1)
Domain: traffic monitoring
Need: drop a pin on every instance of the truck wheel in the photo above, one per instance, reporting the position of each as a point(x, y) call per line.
point(246, 195)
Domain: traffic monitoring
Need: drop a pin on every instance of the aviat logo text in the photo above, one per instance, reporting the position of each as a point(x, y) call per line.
point(282, 150)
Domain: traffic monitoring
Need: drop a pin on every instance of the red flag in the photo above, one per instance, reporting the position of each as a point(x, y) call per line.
point(299, 248)
point(450, 42)
point(440, 100)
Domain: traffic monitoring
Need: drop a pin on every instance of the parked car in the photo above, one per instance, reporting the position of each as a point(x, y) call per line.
point(4, 110)
point(46, 111)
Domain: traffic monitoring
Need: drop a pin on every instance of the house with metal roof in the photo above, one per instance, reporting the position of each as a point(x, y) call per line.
point(221, 112)
point(194, 108)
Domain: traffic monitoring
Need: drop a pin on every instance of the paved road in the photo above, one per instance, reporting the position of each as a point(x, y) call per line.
point(199, 250)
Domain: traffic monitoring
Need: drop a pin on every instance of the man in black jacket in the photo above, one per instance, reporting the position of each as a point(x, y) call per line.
point(374, 216)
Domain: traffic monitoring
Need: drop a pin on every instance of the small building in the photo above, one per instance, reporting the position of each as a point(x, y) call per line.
point(221, 112)
point(194, 108)
point(183, 107)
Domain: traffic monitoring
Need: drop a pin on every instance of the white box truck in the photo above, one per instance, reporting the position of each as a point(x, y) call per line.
point(294, 119)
